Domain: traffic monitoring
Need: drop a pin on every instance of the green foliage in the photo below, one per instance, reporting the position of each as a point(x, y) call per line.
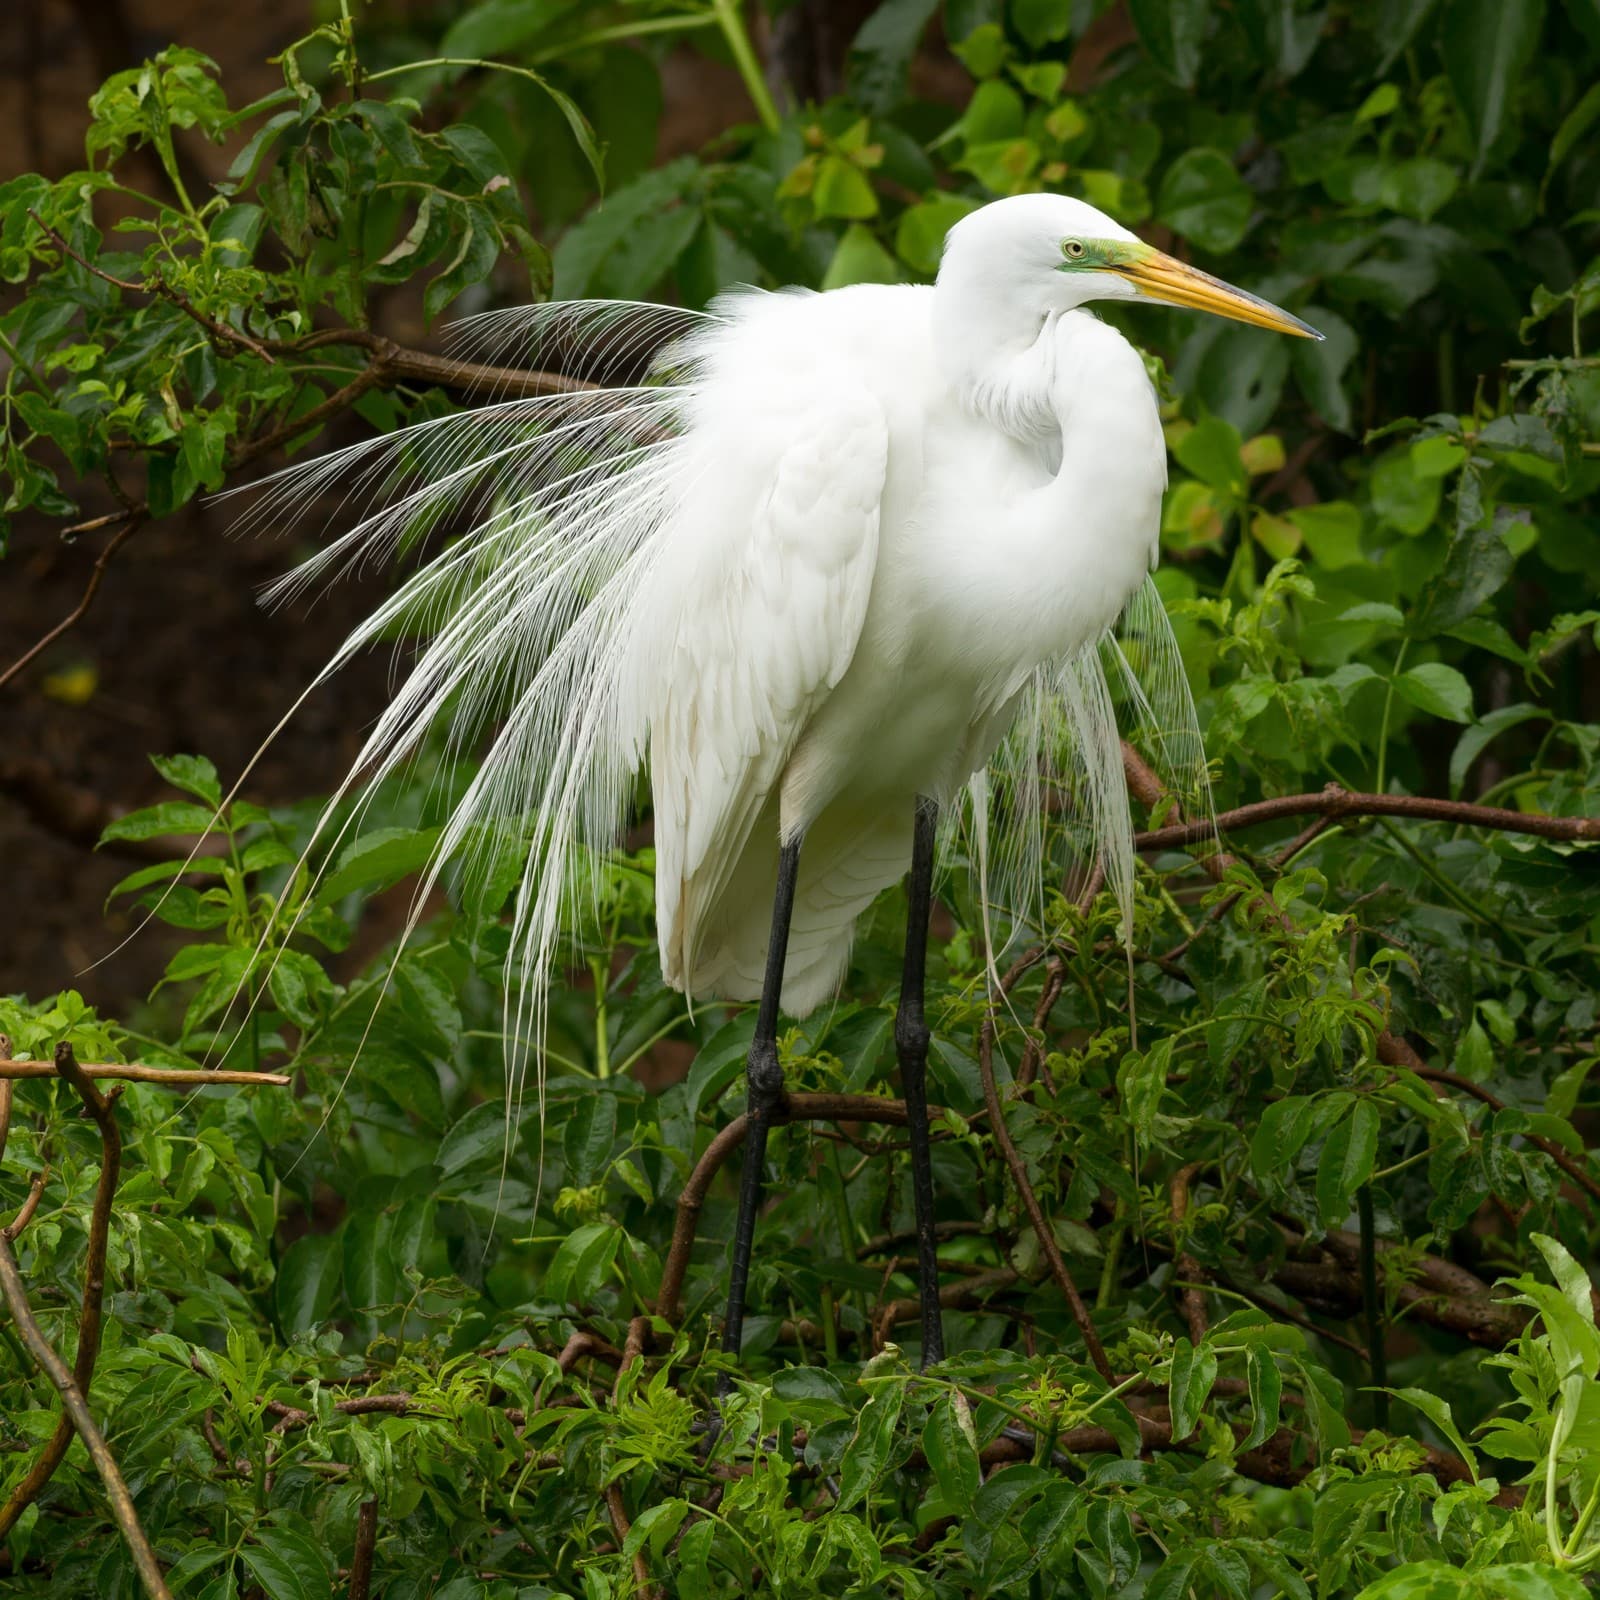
point(381, 1284)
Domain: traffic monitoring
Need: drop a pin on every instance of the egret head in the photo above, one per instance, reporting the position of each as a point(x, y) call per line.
point(1053, 253)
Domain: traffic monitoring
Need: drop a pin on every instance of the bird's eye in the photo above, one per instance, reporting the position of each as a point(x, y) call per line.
point(1073, 249)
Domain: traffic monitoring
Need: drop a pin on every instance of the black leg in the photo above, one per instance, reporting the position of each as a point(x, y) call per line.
point(911, 1047)
point(765, 1078)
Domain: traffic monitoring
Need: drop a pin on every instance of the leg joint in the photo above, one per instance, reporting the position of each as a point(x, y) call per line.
point(765, 1076)
point(911, 1035)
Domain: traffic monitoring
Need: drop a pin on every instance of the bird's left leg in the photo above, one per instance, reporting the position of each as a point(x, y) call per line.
point(765, 1079)
point(911, 1049)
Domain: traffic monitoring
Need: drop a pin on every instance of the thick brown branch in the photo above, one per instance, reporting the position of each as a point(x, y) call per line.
point(1336, 802)
point(366, 1542)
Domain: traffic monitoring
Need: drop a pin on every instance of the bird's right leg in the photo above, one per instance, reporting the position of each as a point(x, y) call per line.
point(765, 1099)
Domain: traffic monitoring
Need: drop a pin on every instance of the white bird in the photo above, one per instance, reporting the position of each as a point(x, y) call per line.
point(814, 571)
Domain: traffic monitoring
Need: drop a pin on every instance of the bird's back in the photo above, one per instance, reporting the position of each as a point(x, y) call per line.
point(755, 613)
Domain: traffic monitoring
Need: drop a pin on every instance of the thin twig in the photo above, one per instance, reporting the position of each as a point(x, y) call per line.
point(135, 520)
point(1030, 1201)
point(973, 1291)
point(1394, 1051)
point(5, 1094)
point(134, 1072)
point(25, 1212)
point(398, 364)
point(73, 1386)
point(164, 291)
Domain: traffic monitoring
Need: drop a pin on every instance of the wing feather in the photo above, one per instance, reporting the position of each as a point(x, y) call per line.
point(765, 631)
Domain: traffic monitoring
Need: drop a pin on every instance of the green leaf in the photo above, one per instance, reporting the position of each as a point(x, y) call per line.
point(587, 1139)
point(867, 1454)
point(1476, 738)
point(1174, 1579)
point(1264, 1380)
point(502, 27)
point(1437, 1410)
point(1174, 33)
point(1203, 198)
point(859, 258)
point(308, 1280)
point(657, 1524)
point(288, 1566)
point(1439, 1580)
point(1141, 1081)
point(1281, 1134)
point(479, 1137)
point(1189, 1386)
point(377, 860)
point(582, 1264)
point(842, 190)
point(920, 233)
point(193, 774)
point(1487, 45)
point(882, 51)
point(172, 817)
point(1476, 566)
point(950, 1445)
point(1347, 1160)
point(472, 263)
point(1332, 532)
point(1212, 451)
point(1437, 689)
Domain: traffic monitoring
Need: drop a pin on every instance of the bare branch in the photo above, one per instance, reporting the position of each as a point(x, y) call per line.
point(133, 521)
point(366, 1542)
point(134, 1072)
point(1336, 802)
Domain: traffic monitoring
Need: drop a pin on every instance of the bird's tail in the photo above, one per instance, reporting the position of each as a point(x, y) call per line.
point(538, 522)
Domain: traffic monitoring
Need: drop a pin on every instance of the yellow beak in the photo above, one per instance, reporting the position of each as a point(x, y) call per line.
point(1162, 277)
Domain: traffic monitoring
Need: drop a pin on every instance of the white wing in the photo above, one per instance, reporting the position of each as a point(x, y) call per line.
point(777, 572)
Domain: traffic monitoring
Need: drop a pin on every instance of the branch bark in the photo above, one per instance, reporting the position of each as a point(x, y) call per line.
point(73, 1386)
point(135, 1072)
point(1336, 802)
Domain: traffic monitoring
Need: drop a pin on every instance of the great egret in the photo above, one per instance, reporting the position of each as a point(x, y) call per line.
point(814, 569)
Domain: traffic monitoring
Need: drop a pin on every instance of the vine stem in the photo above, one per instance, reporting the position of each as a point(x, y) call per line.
point(1377, 1357)
point(731, 21)
point(1388, 706)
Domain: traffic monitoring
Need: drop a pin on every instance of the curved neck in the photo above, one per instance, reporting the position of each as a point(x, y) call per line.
point(989, 340)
